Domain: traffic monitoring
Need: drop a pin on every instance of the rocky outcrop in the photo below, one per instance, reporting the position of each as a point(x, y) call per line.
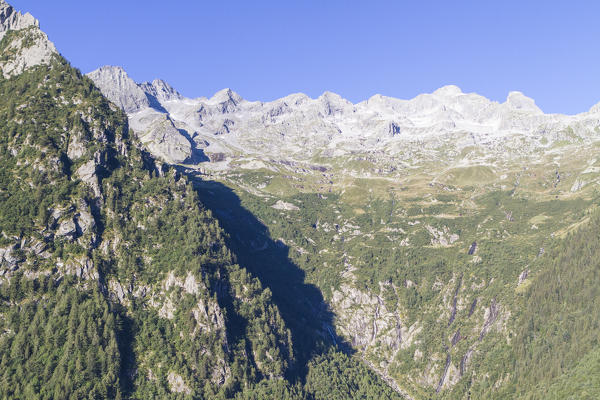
point(454, 302)
point(444, 374)
point(73, 222)
point(119, 88)
point(282, 205)
point(87, 173)
point(13, 20)
point(28, 48)
point(83, 268)
point(67, 229)
point(365, 320)
point(207, 312)
point(8, 258)
point(177, 385)
point(491, 314)
point(77, 147)
point(441, 237)
point(163, 139)
point(464, 361)
point(160, 91)
point(523, 276)
point(577, 185)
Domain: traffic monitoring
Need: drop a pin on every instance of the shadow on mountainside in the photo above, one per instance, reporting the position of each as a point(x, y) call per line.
point(301, 304)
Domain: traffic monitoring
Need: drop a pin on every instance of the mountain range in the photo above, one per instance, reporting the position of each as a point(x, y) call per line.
point(156, 246)
point(299, 127)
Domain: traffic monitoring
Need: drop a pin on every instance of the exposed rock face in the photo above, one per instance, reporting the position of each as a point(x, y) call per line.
point(577, 185)
point(282, 205)
point(163, 139)
point(365, 320)
point(142, 103)
point(13, 20)
point(523, 276)
point(39, 52)
point(464, 361)
point(87, 173)
point(76, 148)
point(177, 385)
point(67, 229)
point(296, 127)
point(441, 237)
point(518, 101)
point(209, 316)
point(160, 90)
point(83, 268)
point(28, 49)
point(8, 258)
point(226, 100)
point(376, 331)
point(117, 291)
point(491, 315)
point(450, 375)
point(119, 88)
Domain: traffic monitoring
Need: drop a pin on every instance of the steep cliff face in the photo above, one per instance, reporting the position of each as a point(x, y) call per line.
point(10, 19)
point(155, 129)
point(25, 46)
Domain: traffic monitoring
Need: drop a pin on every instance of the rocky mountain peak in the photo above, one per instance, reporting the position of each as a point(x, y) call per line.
point(152, 123)
point(225, 95)
point(448, 91)
point(227, 100)
point(296, 99)
point(518, 101)
point(119, 88)
point(14, 20)
point(333, 103)
point(161, 90)
point(27, 49)
point(333, 97)
point(595, 109)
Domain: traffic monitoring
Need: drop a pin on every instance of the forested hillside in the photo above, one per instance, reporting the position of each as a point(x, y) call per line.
point(115, 281)
point(535, 297)
point(460, 268)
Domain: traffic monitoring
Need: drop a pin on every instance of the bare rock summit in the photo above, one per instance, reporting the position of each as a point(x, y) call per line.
point(28, 48)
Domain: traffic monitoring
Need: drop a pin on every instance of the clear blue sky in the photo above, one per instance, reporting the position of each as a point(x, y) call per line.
point(549, 50)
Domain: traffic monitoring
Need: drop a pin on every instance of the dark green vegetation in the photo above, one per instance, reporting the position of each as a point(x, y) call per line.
point(116, 282)
point(58, 341)
point(503, 336)
point(335, 376)
point(558, 337)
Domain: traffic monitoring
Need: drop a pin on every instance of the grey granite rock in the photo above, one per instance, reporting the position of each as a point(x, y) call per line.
point(161, 90)
point(29, 49)
point(118, 87)
point(13, 20)
point(163, 139)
